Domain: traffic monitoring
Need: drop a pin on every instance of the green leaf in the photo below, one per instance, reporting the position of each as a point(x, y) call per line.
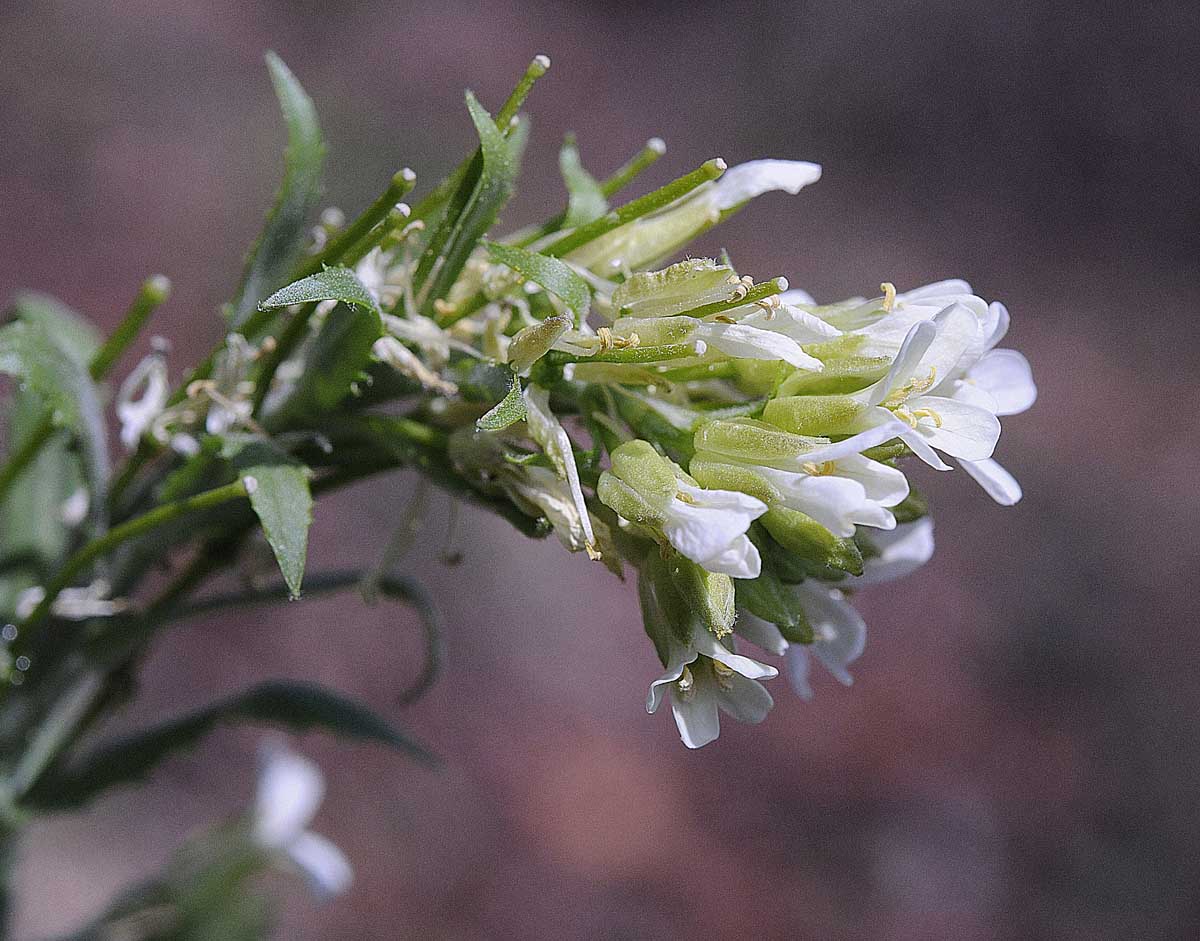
point(279, 246)
point(508, 411)
point(281, 498)
point(296, 706)
point(554, 275)
point(332, 284)
point(585, 197)
point(33, 355)
point(472, 210)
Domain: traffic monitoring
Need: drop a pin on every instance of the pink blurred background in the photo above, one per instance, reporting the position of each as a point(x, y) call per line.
point(1018, 755)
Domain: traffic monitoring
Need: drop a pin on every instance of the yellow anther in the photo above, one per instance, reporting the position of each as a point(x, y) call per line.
point(722, 318)
point(685, 686)
point(824, 469)
point(889, 295)
point(685, 498)
point(912, 387)
point(592, 551)
point(610, 341)
point(742, 288)
point(606, 339)
point(200, 387)
point(443, 308)
point(770, 305)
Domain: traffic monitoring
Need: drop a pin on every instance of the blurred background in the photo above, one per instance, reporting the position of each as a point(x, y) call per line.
point(1018, 756)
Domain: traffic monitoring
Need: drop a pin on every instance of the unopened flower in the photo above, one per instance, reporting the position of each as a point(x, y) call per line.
point(142, 398)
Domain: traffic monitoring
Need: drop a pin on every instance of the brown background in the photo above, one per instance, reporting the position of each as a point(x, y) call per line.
point(1018, 756)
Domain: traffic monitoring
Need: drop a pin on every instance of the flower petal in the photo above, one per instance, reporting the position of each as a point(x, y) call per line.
point(901, 552)
point(290, 789)
point(799, 666)
point(708, 645)
point(792, 322)
point(1000, 485)
point(749, 342)
point(883, 484)
point(711, 529)
point(696, 717)
point(761, 633)
point(745, 700)
point(966, 431)
point(680, 656)
point(904, 366)
point(747, 180)
point(1006, 374)
point(840, 633)
point(324, 865)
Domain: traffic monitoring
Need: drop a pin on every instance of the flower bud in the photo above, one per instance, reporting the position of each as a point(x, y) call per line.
point(816, 414)
point(681, 287)
point(808, 539)
point(756, 442)
point(535, 341)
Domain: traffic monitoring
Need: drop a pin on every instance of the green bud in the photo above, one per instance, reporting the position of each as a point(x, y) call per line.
point(816, 414)
point(644, 469)
point(911, 508)
point(535, 341)
point(805, 537)
point(683, 286)
point(846, 370)
point(655, 331)
point(711, 472)
point(769, 598)
point(645, 240)
point(625, 501)
point(760, 377)
point(755, 442)
point(708, 595)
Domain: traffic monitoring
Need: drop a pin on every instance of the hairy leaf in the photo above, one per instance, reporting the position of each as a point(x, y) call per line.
point(77, 337)
point(332, 284)
point(296, 706)
point(278, 248)
point(508, 411)
point(282, 499)
point(554, 275)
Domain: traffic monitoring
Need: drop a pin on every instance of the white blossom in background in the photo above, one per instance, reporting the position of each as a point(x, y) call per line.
point(142, 398)
point(290, 789)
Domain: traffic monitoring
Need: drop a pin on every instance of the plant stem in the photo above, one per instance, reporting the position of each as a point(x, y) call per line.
point(138, 526)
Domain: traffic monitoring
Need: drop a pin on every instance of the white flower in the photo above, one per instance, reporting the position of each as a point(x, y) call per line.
point(932, 350)
point(229, 390)
point(900, 552)
point(142, 398)
point(709, 527)
point(839, 636)
point(704, 678)
point(290, 789)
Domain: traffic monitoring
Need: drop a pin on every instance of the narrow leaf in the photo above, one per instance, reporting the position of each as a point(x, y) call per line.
point(281, 498)
point(585, 197)
point(554, 275)
point(485, 189)
point(295, 706)
point(279, 246)
point(508, 411)
point(332, 284)
point(77, 337)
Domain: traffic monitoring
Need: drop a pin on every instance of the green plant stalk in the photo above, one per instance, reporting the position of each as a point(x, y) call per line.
point(644, 205)
point(138, 526)
point(401, 184)
point(154, 292)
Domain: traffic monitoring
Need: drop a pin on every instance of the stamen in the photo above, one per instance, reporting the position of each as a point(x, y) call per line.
point(889, 295)
point(685, 686)
point(770, 305)
point(685, 498)
point(723, 674)
point(742, 288)
point(929, 413)
point(824, 469)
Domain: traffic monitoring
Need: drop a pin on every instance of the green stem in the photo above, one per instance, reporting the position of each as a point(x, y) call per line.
point(759, 292)
point(651, 202)
point(118, 535)
point(24, 455)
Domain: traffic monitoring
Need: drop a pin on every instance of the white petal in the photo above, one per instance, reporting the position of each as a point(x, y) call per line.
point(938, 289)
point(840, 633)
point(1006, 374)
point(290, 788)
point(901, 552)
point(697, 717)
point(761, 633)
point(747, 180)
point(797, 296)
point(323, 864)
point(958, 344)
point(745, 700)
point(747, 342)
point(711, 530)
point(708, 645)
point(834, 502)
point(679, 657)
point(883, 484)
point(141, 398)
point(1000, 485)
point(967, 431)
point(799, 665)
point(550, 434)
point(792, 322)
point(904, 366)
point(888, 428)
point(997, 324)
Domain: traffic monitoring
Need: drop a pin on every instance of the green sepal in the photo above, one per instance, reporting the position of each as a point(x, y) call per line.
point(812, 542)
point(508, 411)
point(816, 414)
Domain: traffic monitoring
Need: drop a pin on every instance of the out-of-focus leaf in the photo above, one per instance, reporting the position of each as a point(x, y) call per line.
point(768, 598)
point(281, 498)
point(296, 706)
point(585, 197)
point(332, 284)
point(508, 411)
point(554, 275)
point(472, 210)
point(278, 248)
point(45, 368)
point(70, 330)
